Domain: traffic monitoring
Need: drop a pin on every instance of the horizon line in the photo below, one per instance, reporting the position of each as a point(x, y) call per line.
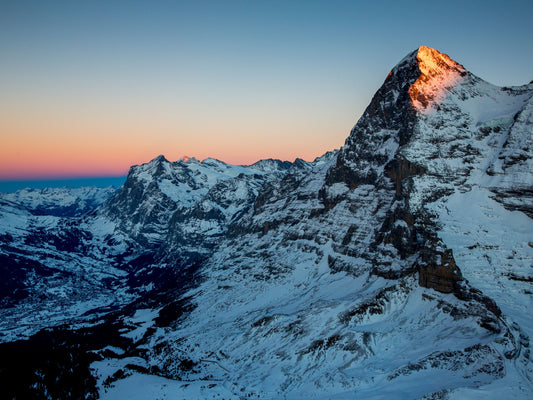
point(60, 178)
point(52, 177)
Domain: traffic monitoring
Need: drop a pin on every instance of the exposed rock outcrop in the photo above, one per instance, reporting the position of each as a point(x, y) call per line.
point(437, 270)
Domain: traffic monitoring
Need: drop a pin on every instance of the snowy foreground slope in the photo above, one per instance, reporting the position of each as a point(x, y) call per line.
point(398, 267)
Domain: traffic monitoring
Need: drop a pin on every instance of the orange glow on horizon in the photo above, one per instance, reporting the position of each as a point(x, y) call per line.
point(81, 127)
point(57, 154)
point(73, 140)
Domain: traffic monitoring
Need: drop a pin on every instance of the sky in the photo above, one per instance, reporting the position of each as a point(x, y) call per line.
point(89, 88)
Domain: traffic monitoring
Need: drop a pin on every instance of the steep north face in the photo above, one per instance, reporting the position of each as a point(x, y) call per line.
point(396, 267)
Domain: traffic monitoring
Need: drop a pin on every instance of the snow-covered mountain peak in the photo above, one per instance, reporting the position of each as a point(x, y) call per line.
point(146, 171)
point(438, 73)
point(187, 159)
point(425, 88)
point(271, 164)
point(159, 190)
point(160, 158)
point(431, 61)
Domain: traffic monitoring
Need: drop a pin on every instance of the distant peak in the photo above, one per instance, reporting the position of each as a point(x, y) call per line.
point(438, 73)
point(160, 158)
point(212, 161)
point(188, 160)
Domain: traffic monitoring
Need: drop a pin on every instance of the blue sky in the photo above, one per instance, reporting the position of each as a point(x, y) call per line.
point(90, 88)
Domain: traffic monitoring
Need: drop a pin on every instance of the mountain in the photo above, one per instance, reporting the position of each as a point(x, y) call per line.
point(60, 202)
point(159, 191)
point(396, 267)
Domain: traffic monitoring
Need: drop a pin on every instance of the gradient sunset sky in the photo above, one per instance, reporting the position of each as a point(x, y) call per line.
point(89, 88)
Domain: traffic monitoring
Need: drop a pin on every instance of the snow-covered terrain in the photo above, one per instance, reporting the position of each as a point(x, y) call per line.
point(397, 267)
point(69, 202)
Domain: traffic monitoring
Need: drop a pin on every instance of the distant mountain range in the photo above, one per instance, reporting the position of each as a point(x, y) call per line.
point(10, 186)
point(398, 267)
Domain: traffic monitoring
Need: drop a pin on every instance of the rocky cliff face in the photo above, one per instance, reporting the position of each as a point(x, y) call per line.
point(374, 271)
point(187, 206)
